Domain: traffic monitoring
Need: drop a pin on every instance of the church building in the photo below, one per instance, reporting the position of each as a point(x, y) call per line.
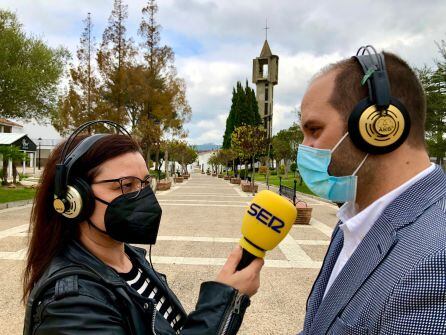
point(265, 75)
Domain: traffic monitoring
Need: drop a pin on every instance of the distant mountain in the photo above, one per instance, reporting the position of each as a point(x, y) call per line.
point(207, 147)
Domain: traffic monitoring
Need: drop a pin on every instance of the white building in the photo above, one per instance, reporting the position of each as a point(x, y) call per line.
point(203, 158)
point(12, 134)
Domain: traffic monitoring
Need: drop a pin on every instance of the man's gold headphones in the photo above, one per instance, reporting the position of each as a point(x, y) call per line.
point(73, 197)
point(379, 123)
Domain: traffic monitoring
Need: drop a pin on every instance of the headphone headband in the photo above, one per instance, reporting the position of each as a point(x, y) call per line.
point(375, 75)
point(84, 126)
point(66, 162)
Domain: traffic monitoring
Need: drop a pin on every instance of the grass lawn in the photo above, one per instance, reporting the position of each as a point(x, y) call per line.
point(286, 181)
point(15, 194)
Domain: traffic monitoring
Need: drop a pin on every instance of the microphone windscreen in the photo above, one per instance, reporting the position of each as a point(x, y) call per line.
point(267, 221)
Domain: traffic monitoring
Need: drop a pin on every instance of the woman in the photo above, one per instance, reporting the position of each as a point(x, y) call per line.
point(82, 278)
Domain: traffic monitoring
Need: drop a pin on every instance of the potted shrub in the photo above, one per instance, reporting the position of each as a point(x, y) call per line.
point(248, 186)
point(163, 185)
point(235, 180)
point(303, 213)
point(178, 179)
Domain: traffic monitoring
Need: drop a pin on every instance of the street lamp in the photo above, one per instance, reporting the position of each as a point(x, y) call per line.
point(39, 139)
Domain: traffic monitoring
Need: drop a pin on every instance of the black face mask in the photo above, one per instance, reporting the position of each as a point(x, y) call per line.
point(132, 220)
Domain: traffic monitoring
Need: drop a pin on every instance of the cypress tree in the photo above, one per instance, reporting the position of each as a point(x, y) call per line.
point(238, 105)
point(244, 111)
point(253, 107)
point(229, 123)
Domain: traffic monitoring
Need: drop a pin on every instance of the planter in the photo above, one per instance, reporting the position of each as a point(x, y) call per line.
point(186, 176)
point(226, 177)
point(247, 187)
point(235, 181)
point(303, 213)
point(208, 173)
point(178, 179)
point(214, 175)
point(220, 176)
point(202, 172)
point(163, 185)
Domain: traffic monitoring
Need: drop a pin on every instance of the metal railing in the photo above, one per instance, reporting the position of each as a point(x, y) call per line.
point(288, 192)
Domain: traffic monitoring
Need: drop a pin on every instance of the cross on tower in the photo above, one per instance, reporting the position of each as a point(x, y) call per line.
point(266, 29)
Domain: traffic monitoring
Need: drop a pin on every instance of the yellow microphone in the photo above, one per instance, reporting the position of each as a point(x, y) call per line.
point(267, 221)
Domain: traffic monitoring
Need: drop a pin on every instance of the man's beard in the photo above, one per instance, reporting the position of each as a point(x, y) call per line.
point(346, 159)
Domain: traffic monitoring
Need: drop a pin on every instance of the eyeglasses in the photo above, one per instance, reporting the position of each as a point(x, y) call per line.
point(129, 184)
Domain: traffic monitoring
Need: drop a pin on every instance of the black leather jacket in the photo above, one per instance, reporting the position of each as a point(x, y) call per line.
point(79, 294)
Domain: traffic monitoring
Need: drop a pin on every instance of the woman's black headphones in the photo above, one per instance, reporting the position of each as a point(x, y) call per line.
point(379, 123)
point(73, 197)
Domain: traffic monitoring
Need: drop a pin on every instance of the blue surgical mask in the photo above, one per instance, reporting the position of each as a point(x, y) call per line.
point(313, 167)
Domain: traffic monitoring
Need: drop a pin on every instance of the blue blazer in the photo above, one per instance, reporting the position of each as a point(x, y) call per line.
point(395, 281)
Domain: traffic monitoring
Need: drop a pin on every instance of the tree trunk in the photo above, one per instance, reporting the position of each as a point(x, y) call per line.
point(5, 171)
point(166, 164)
point(14, 173)
point(148, 155)
point(252, 175)
point(157, 159)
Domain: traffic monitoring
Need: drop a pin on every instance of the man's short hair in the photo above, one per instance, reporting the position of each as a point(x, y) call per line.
point(404, 85)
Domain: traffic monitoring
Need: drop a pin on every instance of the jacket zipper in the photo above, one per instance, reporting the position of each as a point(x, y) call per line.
point(153, 320)
point(234, 309)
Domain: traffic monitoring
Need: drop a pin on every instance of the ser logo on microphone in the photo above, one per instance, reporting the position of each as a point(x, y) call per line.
point(265, 217)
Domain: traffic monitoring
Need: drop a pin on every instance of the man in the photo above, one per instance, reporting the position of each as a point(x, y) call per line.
point(385, 268)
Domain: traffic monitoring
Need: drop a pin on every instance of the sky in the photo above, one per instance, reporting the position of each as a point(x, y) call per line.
point(215, 41)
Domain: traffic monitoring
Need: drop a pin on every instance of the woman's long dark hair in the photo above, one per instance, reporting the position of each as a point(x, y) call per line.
point(50, 231)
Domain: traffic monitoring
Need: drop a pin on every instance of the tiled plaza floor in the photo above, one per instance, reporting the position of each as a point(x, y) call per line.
point(200, 225)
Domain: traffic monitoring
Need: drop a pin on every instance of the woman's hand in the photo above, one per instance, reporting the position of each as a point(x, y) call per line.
point(247, 281)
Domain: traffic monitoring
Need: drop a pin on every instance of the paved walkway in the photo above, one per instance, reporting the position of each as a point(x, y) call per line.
point(200, 226)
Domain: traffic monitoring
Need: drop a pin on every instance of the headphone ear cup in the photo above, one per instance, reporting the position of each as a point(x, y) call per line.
point(80, 200)
point(376, 133)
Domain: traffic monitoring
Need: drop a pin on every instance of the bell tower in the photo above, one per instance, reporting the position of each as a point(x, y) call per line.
point(265, 71)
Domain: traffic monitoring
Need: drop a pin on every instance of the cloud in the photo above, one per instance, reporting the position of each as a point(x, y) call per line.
point(215, 41)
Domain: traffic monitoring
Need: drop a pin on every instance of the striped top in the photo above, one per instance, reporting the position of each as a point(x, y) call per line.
point(137, 280)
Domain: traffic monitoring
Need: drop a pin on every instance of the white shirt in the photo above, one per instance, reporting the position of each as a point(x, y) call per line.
point(356, 225)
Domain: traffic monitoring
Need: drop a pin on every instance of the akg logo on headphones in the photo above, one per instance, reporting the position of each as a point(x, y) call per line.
point(385, 125)
point(59, 205)
point(266, 218)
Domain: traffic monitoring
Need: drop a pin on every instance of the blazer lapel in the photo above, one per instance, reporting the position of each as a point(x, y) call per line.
point(376, 245)
point(372, 250)
point(318, 290)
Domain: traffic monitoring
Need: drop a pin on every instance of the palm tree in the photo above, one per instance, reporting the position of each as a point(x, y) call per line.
point(13, 154)
point(4, 152)
point(16, 156)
